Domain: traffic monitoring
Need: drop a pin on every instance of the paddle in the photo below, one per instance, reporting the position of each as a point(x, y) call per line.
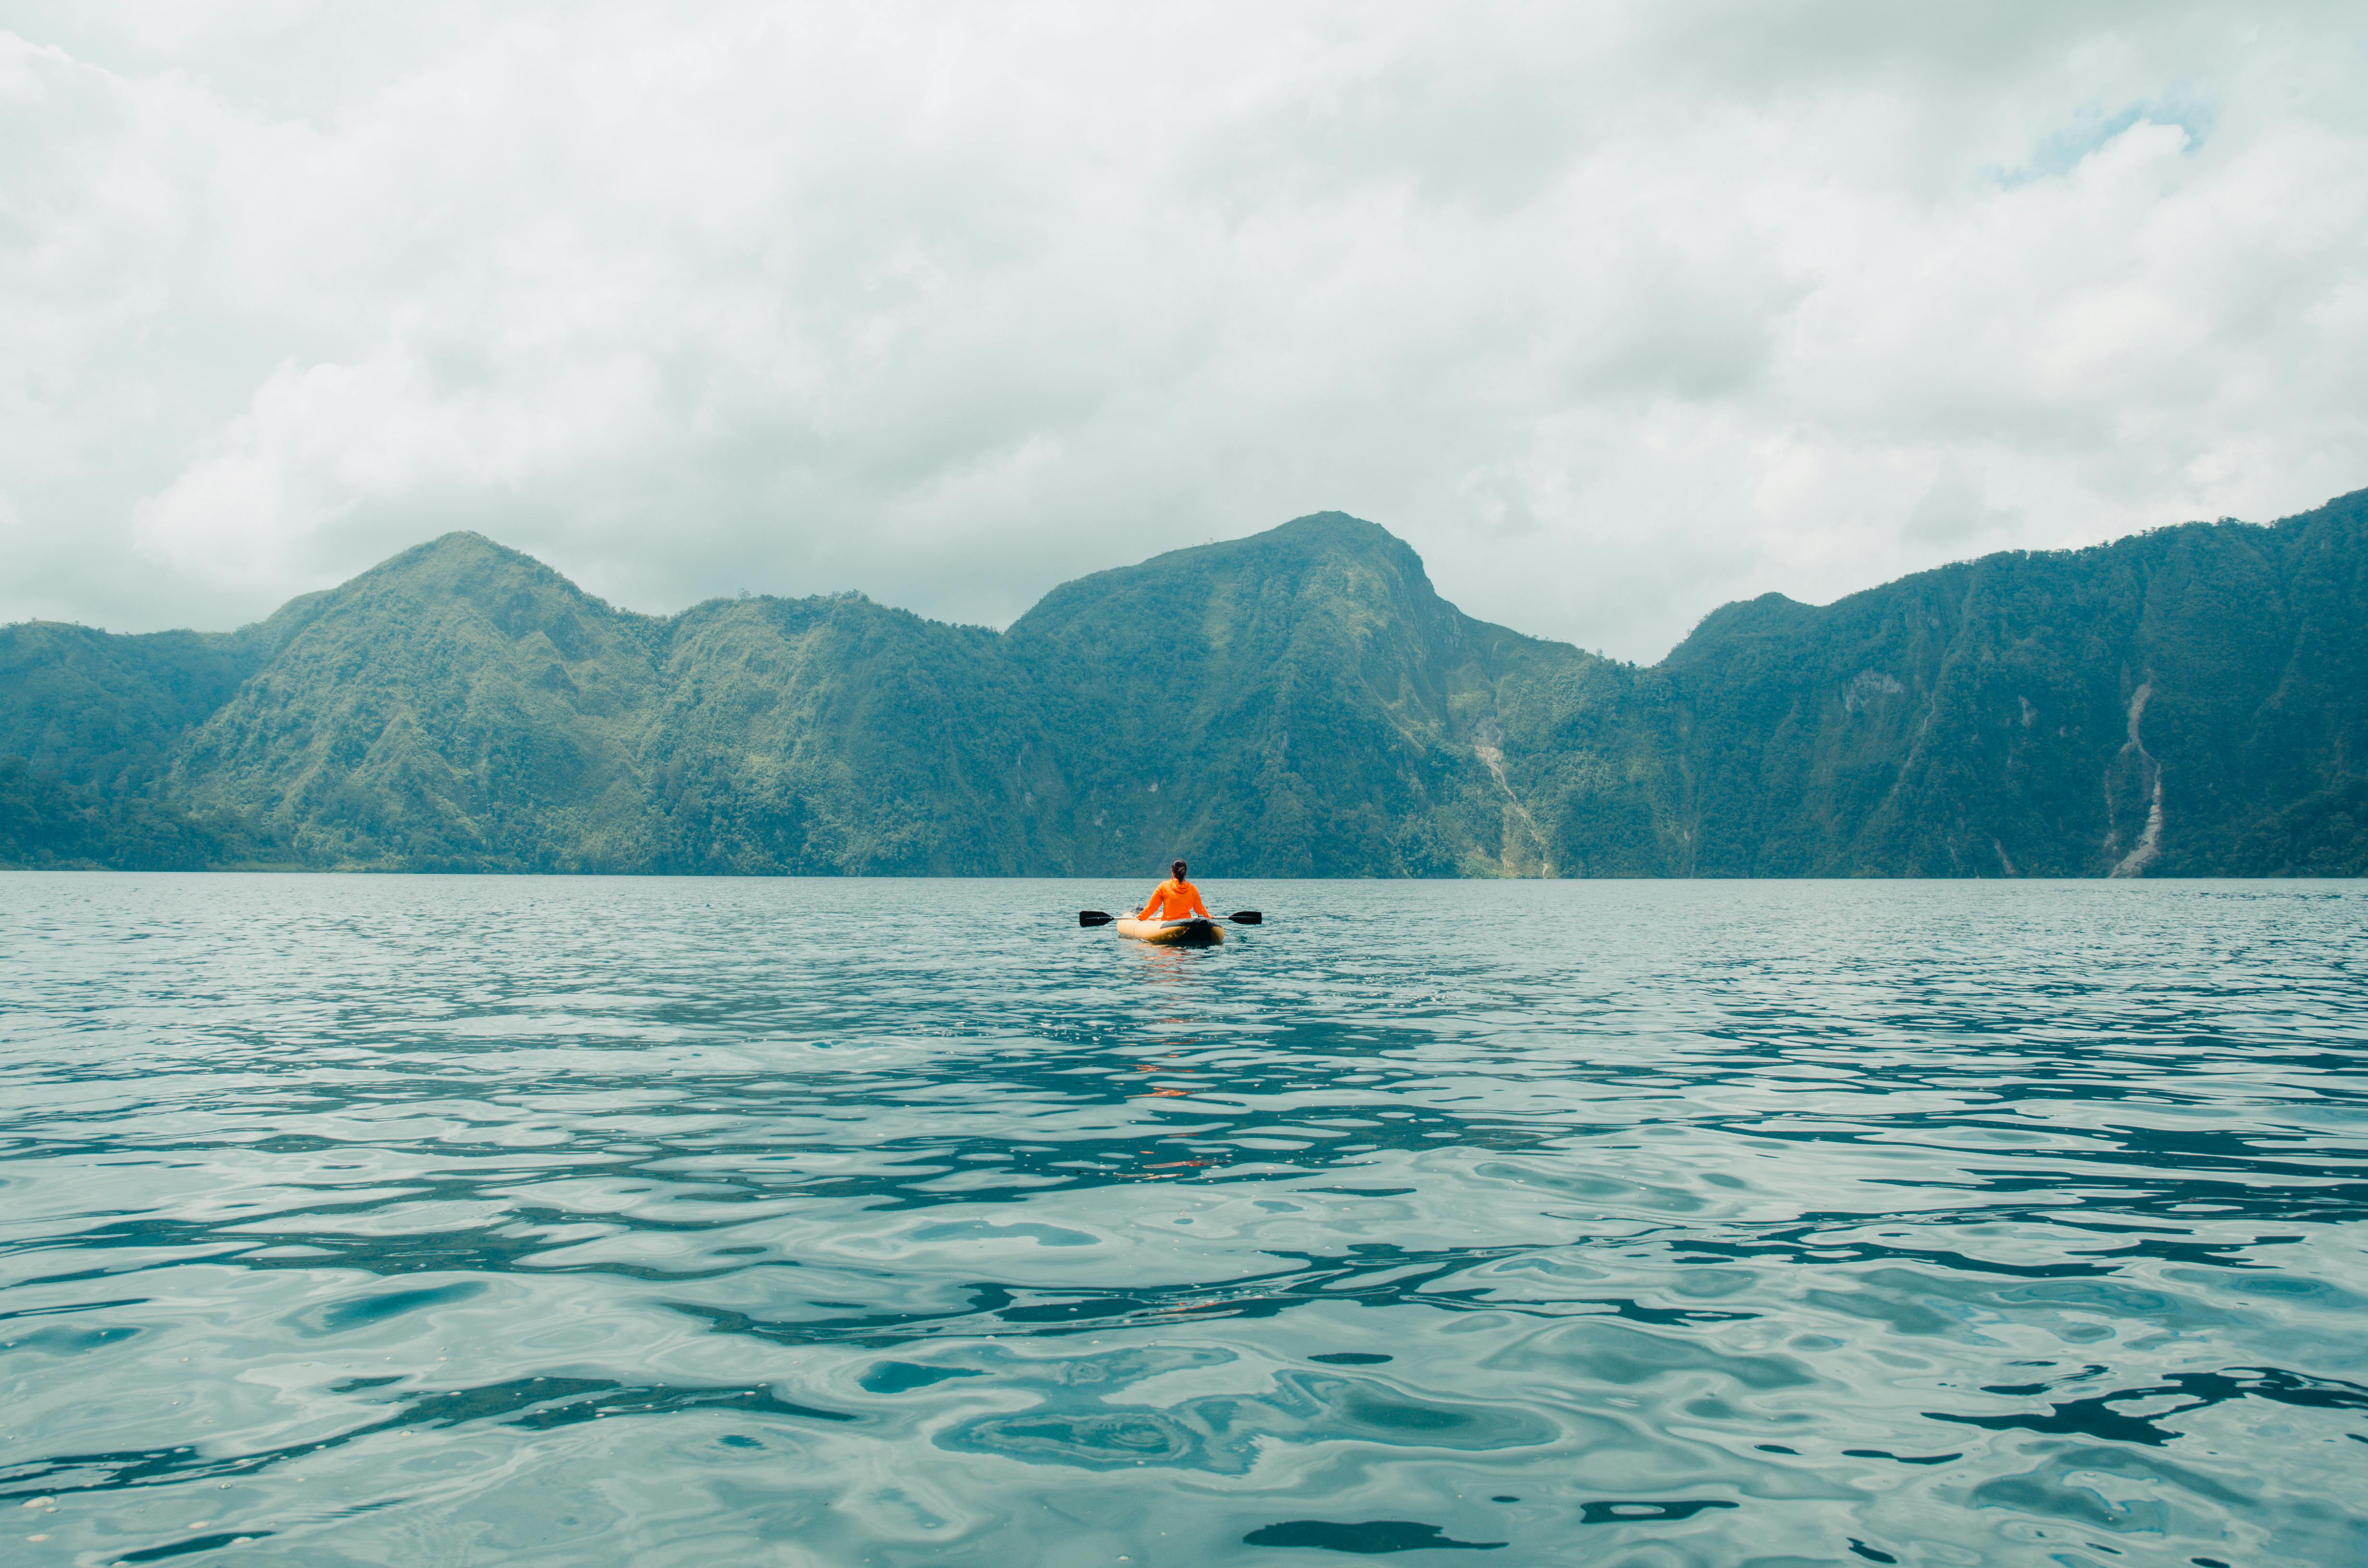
point(1239, 918)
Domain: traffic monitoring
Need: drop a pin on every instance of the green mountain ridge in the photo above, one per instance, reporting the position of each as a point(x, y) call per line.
point(1301, 703)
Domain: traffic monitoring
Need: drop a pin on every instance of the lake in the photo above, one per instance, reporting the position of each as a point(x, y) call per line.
point(415, 1219)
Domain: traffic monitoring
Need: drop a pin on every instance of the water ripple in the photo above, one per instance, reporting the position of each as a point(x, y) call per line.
point(448, 1219)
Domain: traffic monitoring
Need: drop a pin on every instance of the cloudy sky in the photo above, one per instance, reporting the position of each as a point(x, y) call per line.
point(1615, 312)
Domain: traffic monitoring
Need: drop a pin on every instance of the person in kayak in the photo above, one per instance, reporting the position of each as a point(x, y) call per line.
point(1175, 899)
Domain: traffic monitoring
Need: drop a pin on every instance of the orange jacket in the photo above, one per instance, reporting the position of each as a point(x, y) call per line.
point(1172, 900)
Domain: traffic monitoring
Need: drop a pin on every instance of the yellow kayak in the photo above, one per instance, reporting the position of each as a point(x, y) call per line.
point(1173, 933)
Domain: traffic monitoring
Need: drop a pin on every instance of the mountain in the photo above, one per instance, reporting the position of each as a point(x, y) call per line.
point(88, 724)
point(1303, 703)
point(1298, 703)
point(464, 707)
point(2183, 702)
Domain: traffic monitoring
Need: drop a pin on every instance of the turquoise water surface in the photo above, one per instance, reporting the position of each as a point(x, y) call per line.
point(424, 1220)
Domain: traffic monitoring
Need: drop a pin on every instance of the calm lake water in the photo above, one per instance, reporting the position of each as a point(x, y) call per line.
point(423, 1221)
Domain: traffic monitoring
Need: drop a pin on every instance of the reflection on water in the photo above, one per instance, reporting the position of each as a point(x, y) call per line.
point(422, 1220)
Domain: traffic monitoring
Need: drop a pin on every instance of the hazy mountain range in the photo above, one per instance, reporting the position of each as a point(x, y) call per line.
point(2189, 702)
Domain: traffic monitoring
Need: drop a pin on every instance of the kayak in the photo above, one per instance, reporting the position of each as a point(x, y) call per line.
point(1173, 933)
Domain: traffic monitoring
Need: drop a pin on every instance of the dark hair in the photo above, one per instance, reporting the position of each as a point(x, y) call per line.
point(1177, 869)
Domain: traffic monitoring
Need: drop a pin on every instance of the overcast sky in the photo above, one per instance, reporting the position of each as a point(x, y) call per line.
point(1614, 311)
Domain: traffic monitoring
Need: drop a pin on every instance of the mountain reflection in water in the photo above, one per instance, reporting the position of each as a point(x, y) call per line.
point(442, 1220)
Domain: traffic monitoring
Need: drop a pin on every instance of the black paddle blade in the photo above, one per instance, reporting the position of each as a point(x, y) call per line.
point(1092, 917)
point(1246, 918)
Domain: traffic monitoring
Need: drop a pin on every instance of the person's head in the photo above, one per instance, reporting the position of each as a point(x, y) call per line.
point(1177, 870)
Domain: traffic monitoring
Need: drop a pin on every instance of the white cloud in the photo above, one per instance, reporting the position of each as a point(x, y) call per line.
point(1614, 313)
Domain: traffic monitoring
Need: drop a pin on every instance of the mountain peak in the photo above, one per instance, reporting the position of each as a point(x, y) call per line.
point(469, 566)
point(458, 546)
point(1206, 585)
point(1339, 531)
point(1341, 523)
point(1769, 614)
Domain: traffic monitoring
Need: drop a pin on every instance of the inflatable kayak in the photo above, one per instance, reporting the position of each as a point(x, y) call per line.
point(1174, 933)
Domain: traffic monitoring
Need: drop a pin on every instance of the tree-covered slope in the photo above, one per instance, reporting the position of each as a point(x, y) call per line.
point(47, 823)
point(89, 721)
point(832, 735)
point(1304, 703)
point(2141, 706)
point(460, 706)
point(464, 707)
point(103, 712)
point(1301, 703)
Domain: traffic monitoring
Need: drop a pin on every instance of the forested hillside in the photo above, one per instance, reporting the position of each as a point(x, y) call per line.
point(2151, 706)
point(1298, 703)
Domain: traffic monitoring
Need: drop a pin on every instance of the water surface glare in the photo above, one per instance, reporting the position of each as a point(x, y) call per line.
point(427, 1220)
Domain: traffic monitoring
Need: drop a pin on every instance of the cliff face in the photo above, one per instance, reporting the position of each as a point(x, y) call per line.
point(1301, 703)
